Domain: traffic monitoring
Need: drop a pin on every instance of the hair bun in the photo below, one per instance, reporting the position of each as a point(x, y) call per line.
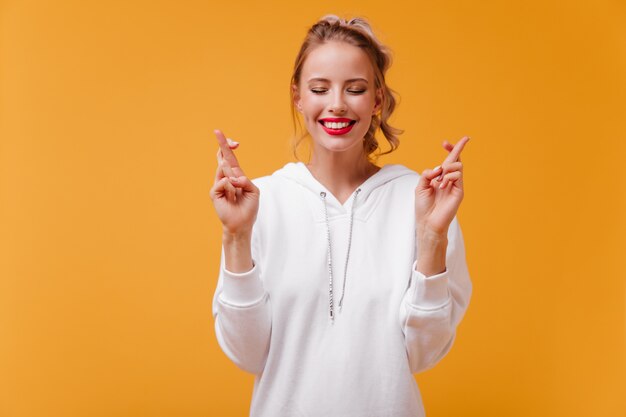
point(333, 19)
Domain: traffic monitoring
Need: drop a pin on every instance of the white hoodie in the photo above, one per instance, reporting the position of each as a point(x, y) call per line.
point(274, 320)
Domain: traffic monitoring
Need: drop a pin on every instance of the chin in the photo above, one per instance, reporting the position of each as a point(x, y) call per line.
point(339, 144)
point(336, 143)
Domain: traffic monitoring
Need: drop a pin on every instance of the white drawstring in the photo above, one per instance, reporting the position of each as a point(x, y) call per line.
point(330, 259)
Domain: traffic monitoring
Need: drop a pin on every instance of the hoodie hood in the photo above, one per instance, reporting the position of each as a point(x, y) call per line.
point(367, 197)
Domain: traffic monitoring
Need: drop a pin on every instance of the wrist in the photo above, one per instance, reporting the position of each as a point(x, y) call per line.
point(431, 247)
point(431, 262)
point(431, 253)
point(236, 237)
point(237, 252)
point(429, 236)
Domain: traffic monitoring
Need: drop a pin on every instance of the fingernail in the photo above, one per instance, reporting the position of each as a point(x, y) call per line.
point(232, 142)
point(233, 179)
point(437, 168)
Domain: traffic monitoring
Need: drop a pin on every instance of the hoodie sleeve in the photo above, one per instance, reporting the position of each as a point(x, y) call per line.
point(242, 314)
point(433, 306)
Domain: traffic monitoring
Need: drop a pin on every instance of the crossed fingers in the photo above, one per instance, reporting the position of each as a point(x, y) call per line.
point(455, 151)
point(227, 164)
point(452, 168)
point(227, 157)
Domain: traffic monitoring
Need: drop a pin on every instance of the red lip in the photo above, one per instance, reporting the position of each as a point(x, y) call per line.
point(338, 132)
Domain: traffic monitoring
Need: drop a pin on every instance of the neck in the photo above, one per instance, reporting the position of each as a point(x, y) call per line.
point(341, 172)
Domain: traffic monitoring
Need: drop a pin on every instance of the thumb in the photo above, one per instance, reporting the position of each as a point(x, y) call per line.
point(427, 176)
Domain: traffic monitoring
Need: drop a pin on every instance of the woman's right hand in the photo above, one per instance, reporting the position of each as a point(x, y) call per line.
point(235, 198)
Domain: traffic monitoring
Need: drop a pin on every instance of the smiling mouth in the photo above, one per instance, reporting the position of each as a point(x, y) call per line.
point(336, 125)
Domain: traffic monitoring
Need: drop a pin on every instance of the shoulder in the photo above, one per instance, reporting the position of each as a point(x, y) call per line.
point(275, 190)
point(263, 181)
point(290, 173)
point(267, 183)
point(402, 175)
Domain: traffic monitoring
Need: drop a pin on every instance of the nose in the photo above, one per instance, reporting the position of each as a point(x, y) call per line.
point(338, 104)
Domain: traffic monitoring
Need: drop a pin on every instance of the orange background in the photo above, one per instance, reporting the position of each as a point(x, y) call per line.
point(109, 242)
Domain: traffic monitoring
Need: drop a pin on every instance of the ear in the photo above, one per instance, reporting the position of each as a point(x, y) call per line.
point(296, 97)
point(378, 103)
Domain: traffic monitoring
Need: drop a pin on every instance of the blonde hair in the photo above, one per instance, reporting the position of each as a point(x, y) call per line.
point(357, 32)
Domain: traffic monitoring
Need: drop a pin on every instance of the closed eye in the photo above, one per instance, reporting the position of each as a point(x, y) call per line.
point(322, 91)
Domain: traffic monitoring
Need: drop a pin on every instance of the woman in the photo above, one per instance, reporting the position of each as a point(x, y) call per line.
point(339, 279)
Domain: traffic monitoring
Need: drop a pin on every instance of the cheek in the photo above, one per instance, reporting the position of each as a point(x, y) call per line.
point(312, 108)
point(363, 105)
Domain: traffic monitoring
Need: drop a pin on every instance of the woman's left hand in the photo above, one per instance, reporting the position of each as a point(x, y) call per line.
point(439, 192)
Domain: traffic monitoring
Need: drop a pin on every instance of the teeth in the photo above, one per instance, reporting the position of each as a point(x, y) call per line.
point(334, 125)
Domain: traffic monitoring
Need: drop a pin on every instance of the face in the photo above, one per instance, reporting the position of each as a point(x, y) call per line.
point(337, 96)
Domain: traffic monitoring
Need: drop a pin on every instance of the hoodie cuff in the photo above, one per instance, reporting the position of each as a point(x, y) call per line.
point(430, 292)
point(244, 288)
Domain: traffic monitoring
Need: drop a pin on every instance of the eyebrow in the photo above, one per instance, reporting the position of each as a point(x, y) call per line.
point(351, 80)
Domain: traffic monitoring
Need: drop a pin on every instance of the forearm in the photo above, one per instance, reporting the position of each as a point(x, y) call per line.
point(237, 252)
point(426, 310)
point(431, 253)
point(241, 306)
